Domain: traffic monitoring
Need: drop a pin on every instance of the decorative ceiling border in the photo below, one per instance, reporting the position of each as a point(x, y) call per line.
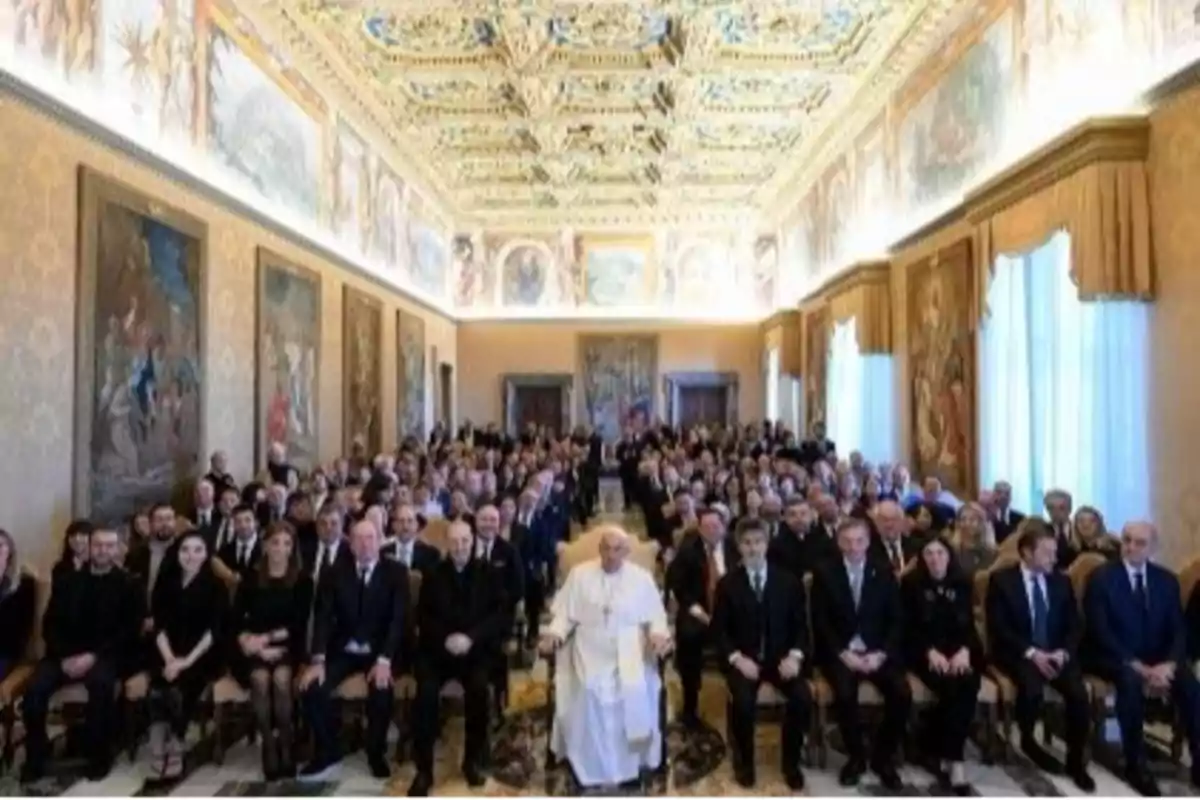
point(913, 43)
point(299, 40)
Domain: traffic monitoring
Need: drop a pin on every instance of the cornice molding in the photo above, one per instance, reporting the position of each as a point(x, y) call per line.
point(1094, 141)
point(863, 273)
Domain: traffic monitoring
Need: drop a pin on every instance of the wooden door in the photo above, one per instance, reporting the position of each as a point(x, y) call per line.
point(539, 405)
point(702, 405)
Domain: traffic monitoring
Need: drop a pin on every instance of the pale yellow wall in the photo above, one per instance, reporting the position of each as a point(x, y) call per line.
point(39, 163)
point(1174, 369)
point(489, 350)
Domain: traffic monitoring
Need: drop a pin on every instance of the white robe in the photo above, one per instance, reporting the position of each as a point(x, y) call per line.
point(607, 686)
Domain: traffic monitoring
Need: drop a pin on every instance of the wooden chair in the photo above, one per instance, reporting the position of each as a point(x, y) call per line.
point(1003, 691)
point(230, 700)
point(570, 555)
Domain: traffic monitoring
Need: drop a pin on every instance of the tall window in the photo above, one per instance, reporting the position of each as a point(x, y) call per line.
point(859, 397)
point(1063, 388)
point(773, 384)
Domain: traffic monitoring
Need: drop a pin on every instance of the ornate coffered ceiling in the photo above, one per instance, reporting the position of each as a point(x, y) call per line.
point(608, 112)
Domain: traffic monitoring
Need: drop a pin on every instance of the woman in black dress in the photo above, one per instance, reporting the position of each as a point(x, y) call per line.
point(18, 602)
point(270, 619)
point(76, 541)
point(189, 606)
point(943, 649)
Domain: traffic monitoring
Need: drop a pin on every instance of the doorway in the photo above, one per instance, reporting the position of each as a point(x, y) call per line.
point(702, 405)
point(540, 406)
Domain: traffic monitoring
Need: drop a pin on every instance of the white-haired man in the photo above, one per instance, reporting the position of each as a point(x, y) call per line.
point(610, 621)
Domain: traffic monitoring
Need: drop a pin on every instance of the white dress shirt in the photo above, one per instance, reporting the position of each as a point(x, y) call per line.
point(326, 554)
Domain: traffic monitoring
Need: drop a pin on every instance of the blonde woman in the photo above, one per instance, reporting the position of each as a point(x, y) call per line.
point(1090, 535)
point(973, 539)
point(18, 591)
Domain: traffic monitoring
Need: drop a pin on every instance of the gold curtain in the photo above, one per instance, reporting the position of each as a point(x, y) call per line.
point(1091, 182)
point(864, 293)
point(786, 329)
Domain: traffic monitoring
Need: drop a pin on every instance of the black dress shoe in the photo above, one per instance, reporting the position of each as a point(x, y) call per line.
point(889, 778)
point(474, 775)
point(1040, 758)
point(850, 774)
point(1080, 777)
point(421, 785)
point(380, 770)
point(794, 780)
point(744, 777)
point(1142, 782)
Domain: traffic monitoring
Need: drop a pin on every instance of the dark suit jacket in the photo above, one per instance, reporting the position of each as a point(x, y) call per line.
point(938, 616)
point(424, 556)
point(783, 612)
point(799, 555)
point(209, 531)
point(836, 622)
point(1004, 529)
point(137, 564)
point(506, 566)
point(687, 577)
point(309, 548)
point(477, 607)
point(910, 548)
point(383, 622)
point(1119, 631)
point(229, 553)
point(1010, 620)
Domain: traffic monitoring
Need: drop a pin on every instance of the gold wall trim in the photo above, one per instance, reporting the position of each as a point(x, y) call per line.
point(1102, 139)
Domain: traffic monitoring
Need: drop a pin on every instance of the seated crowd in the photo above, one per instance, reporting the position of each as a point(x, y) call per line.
point(837, 570)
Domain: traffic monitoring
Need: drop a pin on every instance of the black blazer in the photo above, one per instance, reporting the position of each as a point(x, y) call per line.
point(1119, 631)
point(877, 621)
point(784, 613)
point(310, 547)
point(473, 604)
point(424, 556)
point(137, 565)
point(17, 610)
point(381, 624)
point(505, 563)
point(228, 555)
point(209, 531)
point(1004, 529)
point(910, 548)
point(687, 577)
point(800, 555)
point(938, 615)
point(1010, 621)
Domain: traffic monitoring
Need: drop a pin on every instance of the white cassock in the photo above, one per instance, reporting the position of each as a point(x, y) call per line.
point(606, 682)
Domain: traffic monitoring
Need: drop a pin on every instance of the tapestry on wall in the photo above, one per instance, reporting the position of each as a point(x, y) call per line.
point(618, 375)
point(941, 356)
point(410, 372)
point(817, 326)
point(138, 366)
point(288, 356)
point(362, 373)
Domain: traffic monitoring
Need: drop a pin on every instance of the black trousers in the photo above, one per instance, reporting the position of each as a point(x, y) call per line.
point(949, 720)
point(892, 683)
point(691, 637)
point(434, 673)
point(535, 603)
point(1130, 708)
point(1031, 687)
point(744, 707)
point(100, 682)
point(318, 707)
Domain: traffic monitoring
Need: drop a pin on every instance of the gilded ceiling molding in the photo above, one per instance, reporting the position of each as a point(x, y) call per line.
point(1090, 182)
point(864, 293)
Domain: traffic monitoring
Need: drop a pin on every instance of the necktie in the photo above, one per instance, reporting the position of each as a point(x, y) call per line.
point(241, 559)
point(1041, 617)
point(328, 556)
point(713, 577)
point(897, 557)
point(856, 586)
point(1139, 592)
point(362, 587)
point(758, 585)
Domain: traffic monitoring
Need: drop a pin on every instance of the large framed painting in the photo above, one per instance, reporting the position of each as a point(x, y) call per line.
point(139, 419)
point(618, 272)
point(288, 357)
point(818, 326)
point(362, 373)
point(941, 357)
point(618, 374)
point(411, 374)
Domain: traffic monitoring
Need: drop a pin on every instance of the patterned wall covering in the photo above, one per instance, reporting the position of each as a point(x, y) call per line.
point(250, 116)
point(1011, 74)
point(672, 272)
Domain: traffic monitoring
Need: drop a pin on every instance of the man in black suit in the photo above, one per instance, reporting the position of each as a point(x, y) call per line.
point(207, 519)
point(360, 625)
point(892, 548)
point(1137, 640)
point(857, 628)
point(241, 553)
point(693, 577)
point(505, 565)
point(796, 547)
point(760, 628)
point(536, 545)
point(1004, 519)
point(1034, 631)
point(150, 563)
point(1059, 504)
point(817, 447)
point(329, 547)
point(405, 547)
point(462, 619)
